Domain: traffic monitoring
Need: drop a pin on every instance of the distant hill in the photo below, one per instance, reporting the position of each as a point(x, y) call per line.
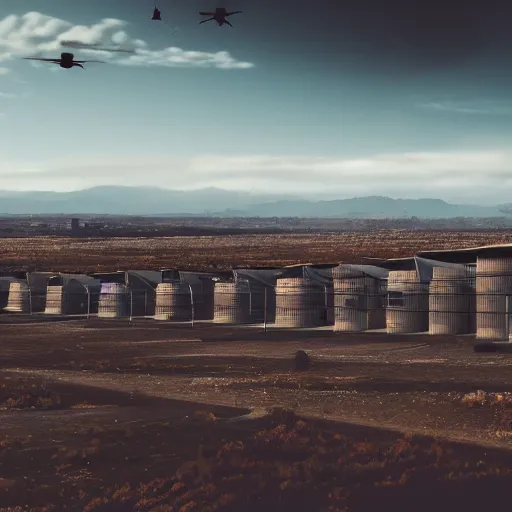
point(366, 207)
point(114, 200)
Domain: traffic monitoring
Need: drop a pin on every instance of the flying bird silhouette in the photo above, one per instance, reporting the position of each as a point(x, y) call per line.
point(219, 15)
point(66, 61)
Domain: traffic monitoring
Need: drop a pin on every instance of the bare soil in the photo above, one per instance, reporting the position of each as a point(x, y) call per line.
point(61, 254)
point(104, 415)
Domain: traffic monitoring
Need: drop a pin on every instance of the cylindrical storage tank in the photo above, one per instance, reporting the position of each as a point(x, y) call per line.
point(19, 297)
point(300, 302)
point(449, 301)
point(358, 303)
point(231, 303)
point(173, 302)
point(493, 286)
point(350, 305)
point(407, 309)
point(54, 300)
point(114, 301)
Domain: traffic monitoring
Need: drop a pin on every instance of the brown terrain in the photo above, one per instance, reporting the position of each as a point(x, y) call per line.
point(206, 252)
point(113, 415)
point(129, 416)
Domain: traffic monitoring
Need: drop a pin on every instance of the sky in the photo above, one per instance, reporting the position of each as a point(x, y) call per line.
point(333, 99)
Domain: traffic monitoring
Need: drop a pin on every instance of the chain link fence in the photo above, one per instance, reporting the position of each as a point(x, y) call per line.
point(443, 306)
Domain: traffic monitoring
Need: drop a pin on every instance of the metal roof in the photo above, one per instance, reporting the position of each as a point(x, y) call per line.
point(467, 254)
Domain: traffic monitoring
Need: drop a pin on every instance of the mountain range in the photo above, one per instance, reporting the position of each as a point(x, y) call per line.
point(114, 200)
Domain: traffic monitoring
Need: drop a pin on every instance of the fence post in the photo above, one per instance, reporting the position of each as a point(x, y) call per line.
point(30, 300)
point(265, 311)
point(326, 305)
point(250, 298)
point(507, 308)
point(88, 302)
point(191, 306)
point(131, 305)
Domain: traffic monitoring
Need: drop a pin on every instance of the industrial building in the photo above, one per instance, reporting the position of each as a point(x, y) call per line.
point(448, 292)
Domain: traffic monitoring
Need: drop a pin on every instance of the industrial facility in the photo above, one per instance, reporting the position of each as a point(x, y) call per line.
point(449, 292)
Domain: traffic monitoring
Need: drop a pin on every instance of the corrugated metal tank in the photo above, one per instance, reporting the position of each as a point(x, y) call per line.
point(114, 301)
point(231, 303)
point(70, 296)
point(358, 301)
point(410, 313)
point(493, 286)
point(19, 297)
point(300, 302)
point(55, 300)
point(173, 302)
point(450, 294)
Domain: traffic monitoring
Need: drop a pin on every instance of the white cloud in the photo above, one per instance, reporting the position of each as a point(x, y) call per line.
point(455, 175)
point(35, 34)
point(480, 107)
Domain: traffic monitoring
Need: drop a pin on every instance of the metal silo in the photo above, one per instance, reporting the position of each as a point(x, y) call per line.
point(19, 297)
point(300, 302)
point(72, 294)
point(493, 287)
point(231, 302)
point(358, 300)
point(450, 301)
point(174, 301)
point(114, 301)
point(407, 308)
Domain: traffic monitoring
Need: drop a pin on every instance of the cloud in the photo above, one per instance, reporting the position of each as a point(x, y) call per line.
point(450, 174)
point(481, 107)
point(34, 34)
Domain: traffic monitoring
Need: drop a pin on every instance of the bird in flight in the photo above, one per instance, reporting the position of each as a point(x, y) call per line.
point(66, 61)
point(219, 15)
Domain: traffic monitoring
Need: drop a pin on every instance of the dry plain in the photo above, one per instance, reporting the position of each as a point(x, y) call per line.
point(205, 252)
point(134, 416)
point(110, 415)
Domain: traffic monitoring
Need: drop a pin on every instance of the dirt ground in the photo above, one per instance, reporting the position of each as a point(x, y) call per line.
point(113, 415)
point(62, 254)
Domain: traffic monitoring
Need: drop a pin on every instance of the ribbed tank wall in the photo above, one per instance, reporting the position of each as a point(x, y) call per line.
point(300, 302)
point(358, 303)
point(231, 303)
point(54, 300)
point(173, 302)
point(493, 285)
point(412, 315)
point(67, 300)
point(19, 298)
point(114, 301)
point(449, 301)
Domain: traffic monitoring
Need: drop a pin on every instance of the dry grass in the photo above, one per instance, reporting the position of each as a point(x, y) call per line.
point(501, 407)
point(27, 395)
point(292, 466)
point(96, 254)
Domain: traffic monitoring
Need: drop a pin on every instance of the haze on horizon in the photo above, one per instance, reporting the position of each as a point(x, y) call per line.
point(396, 98)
